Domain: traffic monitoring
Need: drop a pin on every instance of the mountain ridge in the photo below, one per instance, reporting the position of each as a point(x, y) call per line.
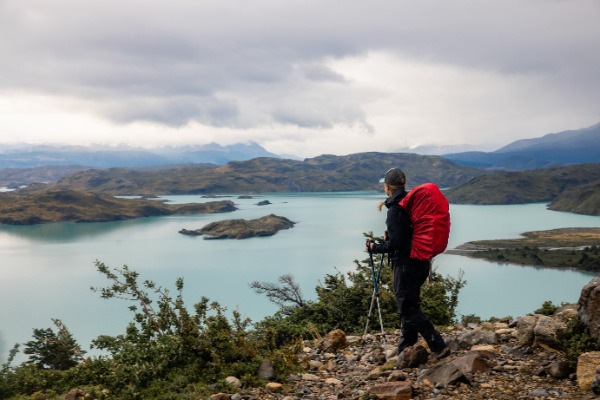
point(102, 156)
point(565, 188)
point(326, 173)
point(562, 148)
point(579, 146)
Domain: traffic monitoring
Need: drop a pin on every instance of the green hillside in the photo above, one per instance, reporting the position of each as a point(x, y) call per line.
point(573, 188)
point(584, 199)
point(321, 174)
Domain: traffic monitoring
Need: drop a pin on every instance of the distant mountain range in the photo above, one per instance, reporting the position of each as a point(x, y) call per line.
point(571, 188)
point(554, 149)
point(562, 168)
point(31, 156)
point(438, 150)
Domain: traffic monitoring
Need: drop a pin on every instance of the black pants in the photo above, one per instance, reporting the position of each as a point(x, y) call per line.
point(408, 278)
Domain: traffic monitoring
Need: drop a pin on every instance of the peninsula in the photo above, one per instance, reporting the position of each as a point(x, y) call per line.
point(573, 248)
point(64, 205)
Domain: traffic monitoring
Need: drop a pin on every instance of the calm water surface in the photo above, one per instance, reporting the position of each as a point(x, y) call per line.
point(46, 271)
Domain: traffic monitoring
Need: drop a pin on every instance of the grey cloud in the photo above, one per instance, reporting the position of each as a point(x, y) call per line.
point(320, 115)
point(171, 63)
point(322, 73)
point(174, 111)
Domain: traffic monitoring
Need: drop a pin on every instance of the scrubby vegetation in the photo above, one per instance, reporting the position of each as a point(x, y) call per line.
point(548, 308)
point(170, 351)
point(343, 301)
point(577, 340)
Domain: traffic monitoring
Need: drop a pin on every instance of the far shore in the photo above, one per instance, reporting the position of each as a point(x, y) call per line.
point(564, 248)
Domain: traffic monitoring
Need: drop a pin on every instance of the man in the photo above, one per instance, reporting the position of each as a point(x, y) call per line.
point(409, 274)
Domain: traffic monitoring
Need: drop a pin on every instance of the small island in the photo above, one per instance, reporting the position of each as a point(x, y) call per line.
point(569, 248)
point(242, 229)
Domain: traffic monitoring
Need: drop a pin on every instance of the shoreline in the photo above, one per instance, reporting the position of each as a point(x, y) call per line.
point(577, 241)
point(469, 253)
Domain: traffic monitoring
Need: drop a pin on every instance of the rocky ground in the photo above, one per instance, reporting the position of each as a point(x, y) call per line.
point(493, 360)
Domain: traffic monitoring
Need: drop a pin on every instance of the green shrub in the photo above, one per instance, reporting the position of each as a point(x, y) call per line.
point(167, 347)
point(547, 308)
point(343, 302)
point(440, 298)
point(53, 350)
point(166, 352)
point(576, 340)
point(171, 352)
point(470, 319)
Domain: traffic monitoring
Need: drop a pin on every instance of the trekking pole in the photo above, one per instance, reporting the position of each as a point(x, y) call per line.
point(370, 307)
point(375, 298)
point(378, 298)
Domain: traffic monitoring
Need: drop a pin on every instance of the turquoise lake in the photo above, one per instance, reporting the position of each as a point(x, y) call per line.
point(46, 271)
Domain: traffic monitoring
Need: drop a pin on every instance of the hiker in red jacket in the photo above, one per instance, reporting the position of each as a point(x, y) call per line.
point(409, 273)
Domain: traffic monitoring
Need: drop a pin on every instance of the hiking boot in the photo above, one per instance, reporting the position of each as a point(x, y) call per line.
point(442, 354)
point(403, 344)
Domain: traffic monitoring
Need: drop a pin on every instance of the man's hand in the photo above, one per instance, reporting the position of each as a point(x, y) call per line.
point(369, 245)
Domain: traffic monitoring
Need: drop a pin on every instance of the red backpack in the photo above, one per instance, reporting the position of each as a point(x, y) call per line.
point(430, 217)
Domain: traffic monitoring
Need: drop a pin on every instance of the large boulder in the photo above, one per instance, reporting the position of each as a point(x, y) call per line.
point(539, 329)
point(560, 370)
point(393, 390)
point(477, 337)
point(587, 369)
point(566, 312)
point(457, 370)
point(524, 332)
point(334, 341)
point(548, 330)
point(412, 357)
point(589, 307)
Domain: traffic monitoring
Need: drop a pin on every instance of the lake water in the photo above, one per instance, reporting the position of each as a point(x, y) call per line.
point(46, 271)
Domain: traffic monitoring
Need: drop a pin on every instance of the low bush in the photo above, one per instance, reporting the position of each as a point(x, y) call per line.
point(576, 340)
point(343, 302)
point(171, 352)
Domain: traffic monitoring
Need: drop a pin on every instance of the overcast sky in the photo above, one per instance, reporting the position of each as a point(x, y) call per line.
point(297, 77)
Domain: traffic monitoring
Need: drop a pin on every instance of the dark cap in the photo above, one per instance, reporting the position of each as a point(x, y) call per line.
point(395, 177)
